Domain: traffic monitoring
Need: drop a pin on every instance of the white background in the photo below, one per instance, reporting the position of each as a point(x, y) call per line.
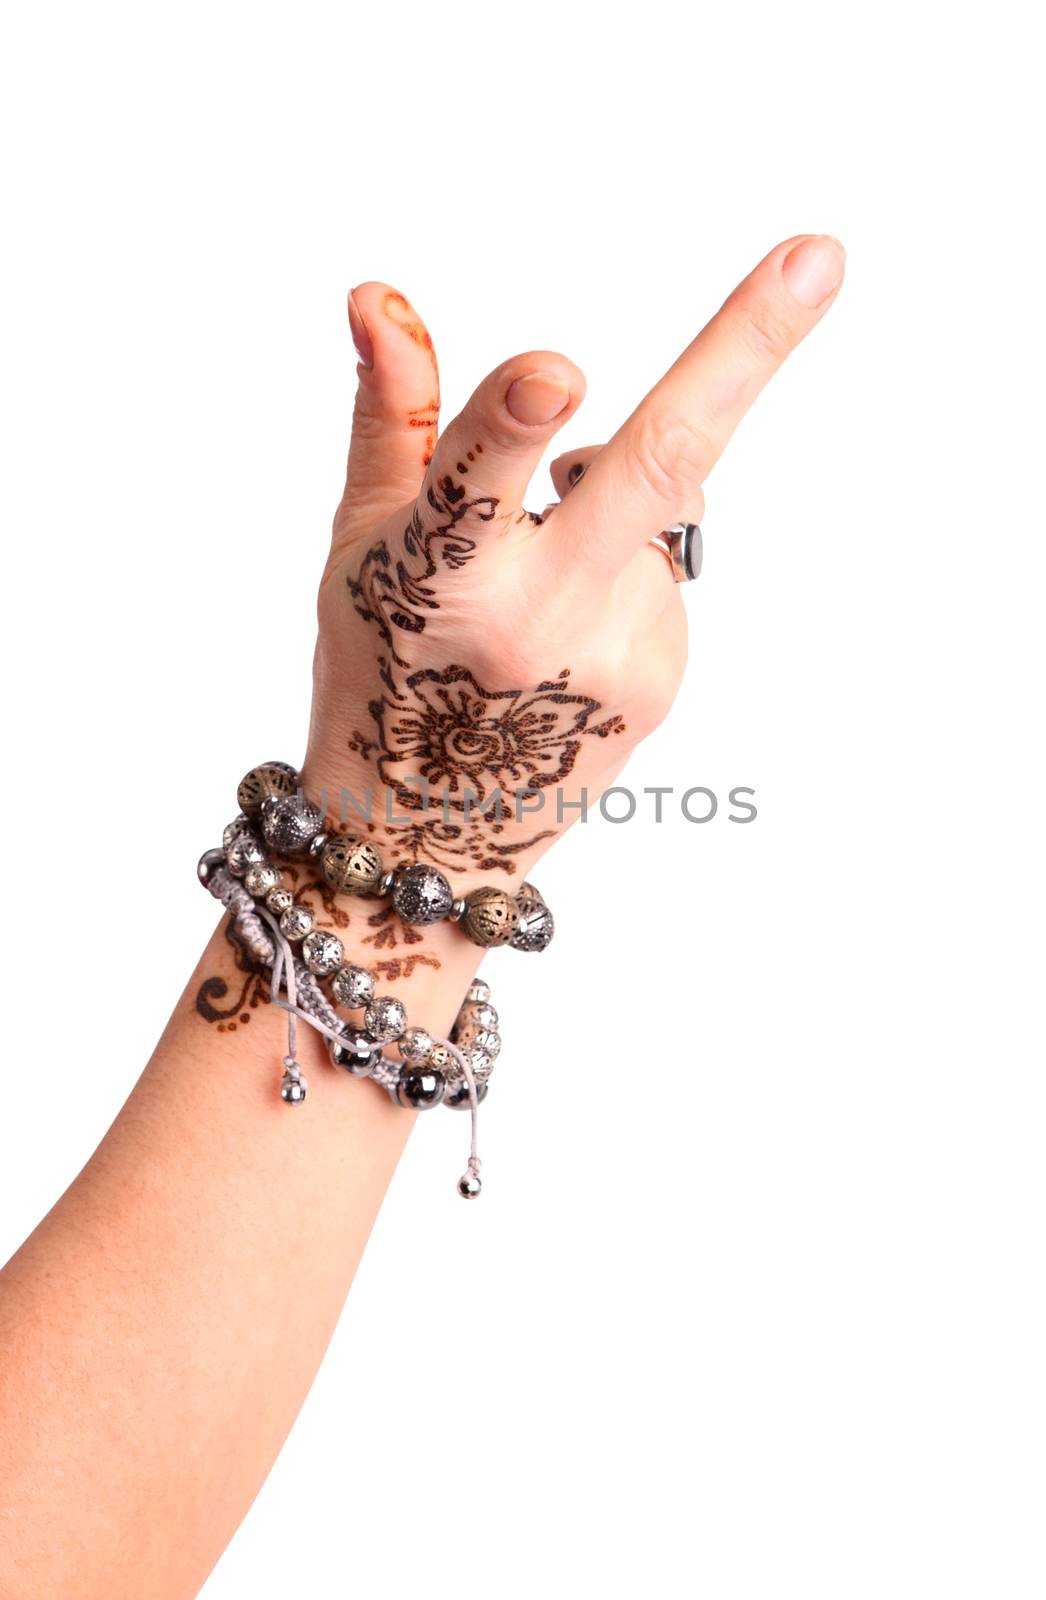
point(753, 1303)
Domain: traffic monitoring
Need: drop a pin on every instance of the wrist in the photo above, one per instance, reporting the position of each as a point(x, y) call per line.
point(496, 838)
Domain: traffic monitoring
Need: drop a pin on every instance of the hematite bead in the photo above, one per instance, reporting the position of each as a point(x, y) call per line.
point(421, 1088)
point(385, 1018)
point(272, 777)
point(536, 923)
point(297, 922)
point(385, 882)
point(421, 894)
point(292, 1089)
point(289, 823)
point(260, 880)
point(351, 866)
point(244, 852)
point(279, 900)
point(469, 1186)
point(355, 1053)
point(457, 1096)
point(416, 1046)
point(317, 844)
point(353, 987)
point(322, 952)
point(490, 917)
point(208, 865)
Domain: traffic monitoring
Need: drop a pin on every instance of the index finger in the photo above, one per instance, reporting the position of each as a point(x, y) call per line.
point(648, 474)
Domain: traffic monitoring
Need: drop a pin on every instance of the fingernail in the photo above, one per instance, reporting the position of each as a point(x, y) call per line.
point(813, 269)
point(536, 398)
point(360, 336)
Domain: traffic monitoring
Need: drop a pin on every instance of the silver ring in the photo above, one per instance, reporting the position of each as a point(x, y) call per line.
point(684, 547)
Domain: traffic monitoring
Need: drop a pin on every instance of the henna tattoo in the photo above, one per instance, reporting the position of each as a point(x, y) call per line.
point(395, 593)
point(253, 992)
point(468, 741)
point(364, 748)
point(388, 934)
point(401, 313)
point(455, 845)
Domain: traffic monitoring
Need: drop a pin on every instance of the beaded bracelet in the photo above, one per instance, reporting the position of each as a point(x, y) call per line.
point(271, 796)
point(431, 1071)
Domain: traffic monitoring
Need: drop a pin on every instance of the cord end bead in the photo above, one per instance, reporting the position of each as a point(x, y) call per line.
point(293, 1088)
point(469, 1185)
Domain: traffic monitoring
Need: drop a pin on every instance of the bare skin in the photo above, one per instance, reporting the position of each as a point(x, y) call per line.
point(461, 640)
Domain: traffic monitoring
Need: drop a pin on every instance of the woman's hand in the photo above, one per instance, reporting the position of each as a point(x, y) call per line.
point(471, 646)
point(201, 1258)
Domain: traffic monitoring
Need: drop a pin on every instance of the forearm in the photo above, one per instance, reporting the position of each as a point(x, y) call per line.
point(163, 1324)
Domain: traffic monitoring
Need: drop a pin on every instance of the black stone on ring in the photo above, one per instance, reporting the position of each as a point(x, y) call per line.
point(684, 548)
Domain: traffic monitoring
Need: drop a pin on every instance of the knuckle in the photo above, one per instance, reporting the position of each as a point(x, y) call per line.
point(765, 331)
point(670, 453)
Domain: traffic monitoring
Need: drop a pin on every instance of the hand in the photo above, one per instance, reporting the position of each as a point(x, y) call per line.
point(469, 643)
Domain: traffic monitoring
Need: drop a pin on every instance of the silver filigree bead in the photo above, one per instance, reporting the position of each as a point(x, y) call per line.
point(480, 1013)
point(260, 880)
point(356, 1053)
point(488, 1042)
point(289, 824)
point(322, 952)
point(481, 1063)
point(416, 1046)
point(353, 987)
point(385, 1018)
point(478, 990)
point(297, 922)
point(238, 825)
point(245, 851)
point(279, 900)
point(536, 924)
point(471, 1033)
point(421, 895)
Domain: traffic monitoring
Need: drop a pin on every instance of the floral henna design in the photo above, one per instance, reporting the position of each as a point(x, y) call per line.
point(468, 741)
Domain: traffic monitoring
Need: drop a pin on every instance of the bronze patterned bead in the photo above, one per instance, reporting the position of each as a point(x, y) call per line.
point(351, 866)
point(272, 777)
point(491, 916)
